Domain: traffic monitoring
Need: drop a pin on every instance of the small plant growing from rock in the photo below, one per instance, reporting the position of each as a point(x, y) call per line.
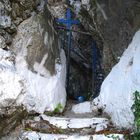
point(58, 109)
point(136, 111)
point(114, 137)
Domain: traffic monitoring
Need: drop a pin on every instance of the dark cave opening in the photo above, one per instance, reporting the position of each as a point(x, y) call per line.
point(83, 74)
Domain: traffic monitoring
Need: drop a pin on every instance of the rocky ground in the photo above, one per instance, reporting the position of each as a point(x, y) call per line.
point(72, 124)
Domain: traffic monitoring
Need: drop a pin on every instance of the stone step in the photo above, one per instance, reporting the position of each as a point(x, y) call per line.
point(40, 136)
point(74, 109)
point(64, 127)
point(77, 123)
point(85, 110)
point(82, 108)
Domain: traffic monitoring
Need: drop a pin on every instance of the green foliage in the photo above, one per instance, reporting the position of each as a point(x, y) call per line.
point(114, 137)
point(61, 131)
point(28, 129)
point(136, 111)
point(48, 113)
point(58, 108)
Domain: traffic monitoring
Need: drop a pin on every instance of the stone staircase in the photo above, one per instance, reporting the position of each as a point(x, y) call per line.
point(70, 126)
point(39, 136)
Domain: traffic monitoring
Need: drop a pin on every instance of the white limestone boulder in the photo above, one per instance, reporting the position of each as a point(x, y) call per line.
point(40, 62)
point(81, 108)
point(12, 87)
point(116, 96)
point(33, 73)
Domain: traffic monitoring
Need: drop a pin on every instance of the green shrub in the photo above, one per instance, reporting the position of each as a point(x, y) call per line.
point(136, 111)
point(58, 109)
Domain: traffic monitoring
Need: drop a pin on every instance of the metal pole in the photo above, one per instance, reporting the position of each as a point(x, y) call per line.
point(68, 60)
point(94, 68)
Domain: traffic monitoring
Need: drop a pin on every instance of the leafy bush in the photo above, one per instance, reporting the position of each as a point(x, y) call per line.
point(136, 111)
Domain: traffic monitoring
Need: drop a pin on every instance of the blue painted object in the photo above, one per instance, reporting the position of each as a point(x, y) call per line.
point(68, 22)
point(97, 71)
point(81, 99)
point(94, 56)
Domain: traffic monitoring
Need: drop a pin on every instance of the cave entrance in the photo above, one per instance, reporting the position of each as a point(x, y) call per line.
point(84, 70)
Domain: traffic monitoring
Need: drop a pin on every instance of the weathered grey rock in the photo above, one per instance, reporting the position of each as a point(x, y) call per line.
point(117, 91)
point(11, 120)
point(12, 13)
point(113, 22)
point(2, 42)
point(7, 37)
point(33, 71)
point(5, 9)
point(57, 8)
point(41, 62)
point(38, 39)
point(23, 8)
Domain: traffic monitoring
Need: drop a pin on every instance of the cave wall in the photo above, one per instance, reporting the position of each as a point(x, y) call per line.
point(113, 23)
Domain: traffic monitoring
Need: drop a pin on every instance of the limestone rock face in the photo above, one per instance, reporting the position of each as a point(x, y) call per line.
point(5, 9)
point(113, 22)
point(117, 90)
point(33, 66)
point(12, 85)
point(12, 13)
point(39, 61)
point(2, 42)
